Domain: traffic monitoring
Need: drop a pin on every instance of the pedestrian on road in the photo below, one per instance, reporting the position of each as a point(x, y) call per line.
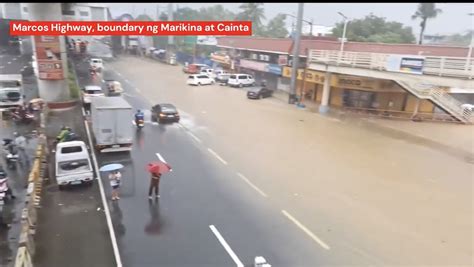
point(114, 178)
point(154, 184)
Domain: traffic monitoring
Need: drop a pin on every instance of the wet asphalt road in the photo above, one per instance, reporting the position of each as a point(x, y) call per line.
point(11, 62)
point(201, 192)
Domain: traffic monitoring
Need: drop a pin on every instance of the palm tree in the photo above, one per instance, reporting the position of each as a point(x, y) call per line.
point(425, 11)
point(255, 13)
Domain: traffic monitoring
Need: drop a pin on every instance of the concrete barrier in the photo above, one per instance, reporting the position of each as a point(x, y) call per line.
point(29, 216)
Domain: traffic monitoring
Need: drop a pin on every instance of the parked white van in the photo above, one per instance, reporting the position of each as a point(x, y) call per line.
point(73, 164)
point(241, 80)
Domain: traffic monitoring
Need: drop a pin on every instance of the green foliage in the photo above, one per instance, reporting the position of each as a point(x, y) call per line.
point(375, 29)
point(424, 12)
point(74, 89)
point(253, 12)
point(276, 27)
point(143, 17)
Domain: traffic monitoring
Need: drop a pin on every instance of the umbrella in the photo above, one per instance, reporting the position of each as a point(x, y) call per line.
point(37, 100)
point(111, 167)
point(158, 167)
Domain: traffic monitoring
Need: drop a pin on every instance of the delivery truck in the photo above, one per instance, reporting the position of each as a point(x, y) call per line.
point(111, 119)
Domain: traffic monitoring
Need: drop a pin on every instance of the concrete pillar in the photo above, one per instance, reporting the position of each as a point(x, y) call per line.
point(51, 90)
point(324, 107)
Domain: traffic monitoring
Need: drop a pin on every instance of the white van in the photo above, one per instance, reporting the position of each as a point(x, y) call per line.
point(73, 164)
point(241, 80)
point(96, 63)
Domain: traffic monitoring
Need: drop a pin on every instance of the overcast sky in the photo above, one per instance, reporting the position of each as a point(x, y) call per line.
point(453, 19)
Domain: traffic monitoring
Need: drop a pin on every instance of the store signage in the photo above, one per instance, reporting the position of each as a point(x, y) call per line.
point(48, 55)
point(344, 81)
point(220, 58)
point(253, 65)
point(274, 68)
point(282, 60)
point(311, 75)
point(405, 64)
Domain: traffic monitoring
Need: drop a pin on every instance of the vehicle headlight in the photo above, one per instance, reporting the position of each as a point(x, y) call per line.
point(162, 115)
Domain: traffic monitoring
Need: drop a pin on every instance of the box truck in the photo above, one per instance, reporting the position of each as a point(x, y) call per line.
point(111, 119)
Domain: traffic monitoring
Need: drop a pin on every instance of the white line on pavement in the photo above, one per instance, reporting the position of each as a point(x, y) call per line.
point(138, 90)
point(226, 246)
point(252, 185)
point(113, 239)
point(9, 62)
point(103, 80)
point(193, 136)
point(306, 230)
point(14, 58)
point(217, 156)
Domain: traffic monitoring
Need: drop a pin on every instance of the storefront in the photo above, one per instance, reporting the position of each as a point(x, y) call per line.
point(221, 60)
point(353, 91)
point(262, 71)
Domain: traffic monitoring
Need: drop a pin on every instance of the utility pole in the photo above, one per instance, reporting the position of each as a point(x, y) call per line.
point(296, 54)
point(346, 20)
point(469, 53)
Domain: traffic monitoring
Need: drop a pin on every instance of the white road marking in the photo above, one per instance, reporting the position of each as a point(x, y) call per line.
point(1, 67)
point(217, 156)
point(9, 62)
point(119, 73)
point(252, 185)
point(138, 90)
point(14, 58)
point(103, 80)
point(113, 239)
point(306, 230)
point(226, 246)
point(193, 136)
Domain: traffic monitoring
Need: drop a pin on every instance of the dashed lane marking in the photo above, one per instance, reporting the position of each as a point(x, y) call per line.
point(217, 156)
point(252, 185)
point(306, 230)
point(226, 246)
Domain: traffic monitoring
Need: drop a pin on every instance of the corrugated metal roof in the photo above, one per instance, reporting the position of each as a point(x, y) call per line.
point(284, 46)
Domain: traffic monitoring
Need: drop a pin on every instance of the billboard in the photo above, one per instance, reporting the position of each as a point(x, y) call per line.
point(48, 56)
point(405, 64)
point(206, 40)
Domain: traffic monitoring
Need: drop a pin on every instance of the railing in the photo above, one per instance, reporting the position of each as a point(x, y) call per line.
point(441, 97)
point(457, 67)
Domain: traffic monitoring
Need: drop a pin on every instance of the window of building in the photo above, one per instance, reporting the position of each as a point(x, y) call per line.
point(25, 9)
point(83, 13)
point(253, 56)
point(69, 12)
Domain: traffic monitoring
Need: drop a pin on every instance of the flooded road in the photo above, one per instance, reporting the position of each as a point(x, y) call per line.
point(369, 197)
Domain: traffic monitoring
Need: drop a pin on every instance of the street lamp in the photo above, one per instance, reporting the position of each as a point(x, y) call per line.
point(346, 20)
point(469, 54)
point(309, 22)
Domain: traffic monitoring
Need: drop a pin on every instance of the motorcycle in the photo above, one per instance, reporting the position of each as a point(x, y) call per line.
point(3, 190)
point(26, 117)
point(11, 154)
point(140, 124)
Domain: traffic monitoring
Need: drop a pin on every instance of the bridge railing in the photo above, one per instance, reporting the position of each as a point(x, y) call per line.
point(457, 67)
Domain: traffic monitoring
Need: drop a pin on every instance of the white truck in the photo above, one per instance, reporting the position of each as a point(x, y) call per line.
point(11, 90)
point(112, 124)
point(73, 164)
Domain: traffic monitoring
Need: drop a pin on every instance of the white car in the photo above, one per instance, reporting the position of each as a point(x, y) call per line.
point(208, 72)
point(91, 91)
point(241, 80)
point(200, 79)
point(222, 76)
point(73, 164)
point(96, 63)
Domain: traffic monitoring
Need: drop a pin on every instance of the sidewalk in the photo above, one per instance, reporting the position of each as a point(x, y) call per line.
point(72, 229)
point(454, 139)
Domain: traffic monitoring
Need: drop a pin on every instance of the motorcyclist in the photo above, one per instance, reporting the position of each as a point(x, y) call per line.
point(4, 178)
point(139, 116)
point(65, 131)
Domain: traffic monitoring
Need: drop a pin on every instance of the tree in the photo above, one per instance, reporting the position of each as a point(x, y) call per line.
point(253, 12)
point(216, 13)
point(143, 17)
point(276, 27)
point(375, 29)
point(425, 11)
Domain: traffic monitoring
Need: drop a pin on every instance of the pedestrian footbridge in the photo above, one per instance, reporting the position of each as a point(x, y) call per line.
point(439, 74)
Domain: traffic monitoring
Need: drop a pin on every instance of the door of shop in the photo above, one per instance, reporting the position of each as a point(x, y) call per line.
point(358, 99)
